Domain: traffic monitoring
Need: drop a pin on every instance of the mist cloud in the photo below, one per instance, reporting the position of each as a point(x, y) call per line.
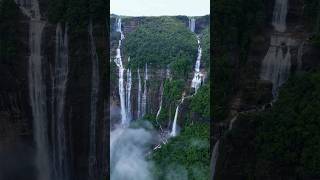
point(128, 149)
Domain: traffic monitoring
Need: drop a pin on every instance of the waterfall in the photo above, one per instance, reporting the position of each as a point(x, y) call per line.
point(93, 106)
point(128, 89)
point(214, 159)
point(118, 61)
point(174, 125)
point(144, 97)
point(299, 57)
point(37, 88)
point(60, 78)
point(192, 24)
point(277, 62)
point(197, 78)
point(160, 105)
point(139, 95)
point(280, 15)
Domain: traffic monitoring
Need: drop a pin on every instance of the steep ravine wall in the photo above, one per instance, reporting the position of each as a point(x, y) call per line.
point(156, 75)
point(236, 154)
point(16, 134)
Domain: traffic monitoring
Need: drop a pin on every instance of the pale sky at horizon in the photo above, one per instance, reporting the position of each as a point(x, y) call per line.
point(160, 7)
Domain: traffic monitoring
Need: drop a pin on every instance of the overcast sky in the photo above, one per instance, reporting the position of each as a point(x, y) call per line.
point(160, 7)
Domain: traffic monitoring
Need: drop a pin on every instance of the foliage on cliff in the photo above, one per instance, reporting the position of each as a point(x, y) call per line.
point(288, 136)
point(200, 103)
point(9, 15)
point(205, 43)
point(280, 143)
point(162, 41)
point(185, 156)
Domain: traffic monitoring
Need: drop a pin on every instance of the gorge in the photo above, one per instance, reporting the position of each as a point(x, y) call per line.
point(157, 93)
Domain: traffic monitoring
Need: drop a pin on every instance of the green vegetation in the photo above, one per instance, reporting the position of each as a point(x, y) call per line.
point(172, 93)
point(288, 136)
point(200, 103)
point(160, 42)
point(187, 152)
point(280, 143)
point(205, 44)
point(9, 15)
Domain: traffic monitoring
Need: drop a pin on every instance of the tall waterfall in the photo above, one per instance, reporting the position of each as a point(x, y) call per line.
point(280, 15)
point(144, 97)
point(214, 159)
point(277, 62)
point(139, 95)
point(37, 88)
point(197, 78)
point(93, 106)
point(118, 61)
point(59, 84)
point(192, 24)
point(128, 99)
point(174, 125)
point(160, 104)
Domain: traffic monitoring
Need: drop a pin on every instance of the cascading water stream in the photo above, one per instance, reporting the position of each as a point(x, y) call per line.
point(118, 61)
point(139, 95)
point(197, 78)
point(280, 15)
point(192, 24)
point(214, 159)
point(160, 106)
point(174, 125)
point(60, 78)
point(37, 88)
point(128, 99)
point(144, 96)
point(93, 106)
point(276, 64)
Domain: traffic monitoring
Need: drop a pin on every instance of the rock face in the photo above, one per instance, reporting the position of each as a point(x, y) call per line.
point(16, 121)
point(156, 76)
point(16, 135)
point(252, 92)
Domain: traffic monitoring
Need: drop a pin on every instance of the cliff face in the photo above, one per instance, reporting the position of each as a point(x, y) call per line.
point(156, 76)
point(16, 135)
point(16, 124)
point(237, 153)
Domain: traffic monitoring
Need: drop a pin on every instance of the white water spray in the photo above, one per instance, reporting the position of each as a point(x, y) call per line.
point(277, 63)
point(37, 88)
point(144, 97)
point(174, 125)
point(128, 99)
point(192, 24)
point(118, 61)
point(139, 95)
point(280, 15)
point(93, 105)
point(60, 78)
point(197, 78)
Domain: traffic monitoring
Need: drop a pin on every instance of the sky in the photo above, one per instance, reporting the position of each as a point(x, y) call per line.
point(160, 7)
